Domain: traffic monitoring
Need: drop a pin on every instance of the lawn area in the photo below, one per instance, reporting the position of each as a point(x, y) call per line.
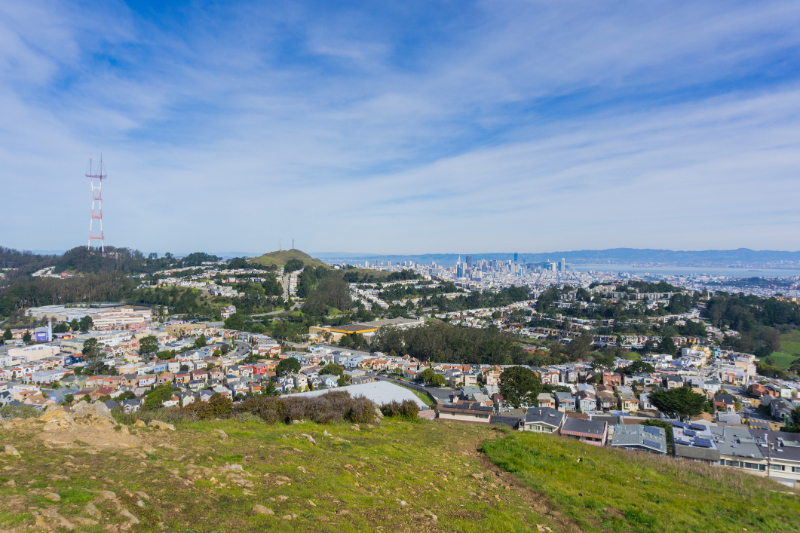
point(614, 490)
point(783, 360)
point(424, 397)
point(790, 349)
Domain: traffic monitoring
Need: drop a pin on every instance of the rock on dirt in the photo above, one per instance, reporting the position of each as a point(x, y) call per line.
point(53, 497)
point(309, 438)
point(10, 450)
point(260, 509)
point(221, 434)
point(158, 424)
point(88, 423)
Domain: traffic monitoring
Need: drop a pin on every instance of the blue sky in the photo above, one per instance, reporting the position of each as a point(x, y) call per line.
point(405, 128)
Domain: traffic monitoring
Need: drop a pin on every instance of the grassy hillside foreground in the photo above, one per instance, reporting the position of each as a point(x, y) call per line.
point(614, 490)
point(396, 476)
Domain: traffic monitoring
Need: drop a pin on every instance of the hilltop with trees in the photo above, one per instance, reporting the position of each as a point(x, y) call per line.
point(295, 258)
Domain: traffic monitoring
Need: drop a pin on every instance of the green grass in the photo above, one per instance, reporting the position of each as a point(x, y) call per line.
point(428, 465)
point(792, 336)
point(790, 349)
point(616, 490)
point(435, 467)
point(783, 360)
point(424, 397)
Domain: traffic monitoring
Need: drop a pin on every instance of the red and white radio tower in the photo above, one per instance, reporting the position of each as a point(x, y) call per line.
point(97, 199)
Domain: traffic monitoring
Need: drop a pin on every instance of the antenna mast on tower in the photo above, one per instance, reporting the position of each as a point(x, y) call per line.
point(96, 181)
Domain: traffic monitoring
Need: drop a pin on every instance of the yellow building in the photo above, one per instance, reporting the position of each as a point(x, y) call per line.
point(334, 333)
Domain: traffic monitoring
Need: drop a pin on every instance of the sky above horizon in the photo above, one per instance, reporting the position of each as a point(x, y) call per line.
point(404, 127)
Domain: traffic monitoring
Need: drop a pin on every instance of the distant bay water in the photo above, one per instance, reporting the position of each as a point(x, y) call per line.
point(689, 270)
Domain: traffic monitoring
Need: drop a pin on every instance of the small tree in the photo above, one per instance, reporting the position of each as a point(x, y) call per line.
point(639, 366)
point(681, 402)
point(520, 386)
point(200, 341)
point(793, 421)
point(85, 324)
point(148, 345)
point(427, 375)
point(332, 368)
point(235, 321)
point(287, 366)
point(667, 345)
point(157, 396)
point(7, 334)
point(90, 347)
point(26, 337)
point(438, 380)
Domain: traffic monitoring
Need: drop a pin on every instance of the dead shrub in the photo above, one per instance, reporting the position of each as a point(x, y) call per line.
point(406, 409)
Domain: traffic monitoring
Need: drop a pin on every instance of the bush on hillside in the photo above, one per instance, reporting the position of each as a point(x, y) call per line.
point(216, 407)
point(335, 406)
point(8, 412)
point(407, 409)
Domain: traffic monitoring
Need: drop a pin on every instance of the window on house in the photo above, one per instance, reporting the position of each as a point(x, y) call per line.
point(777, 467)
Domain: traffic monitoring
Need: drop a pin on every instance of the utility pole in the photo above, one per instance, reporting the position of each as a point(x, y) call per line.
point(769, 454)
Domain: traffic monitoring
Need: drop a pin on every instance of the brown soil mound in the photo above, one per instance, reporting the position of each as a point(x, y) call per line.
point(88, 423)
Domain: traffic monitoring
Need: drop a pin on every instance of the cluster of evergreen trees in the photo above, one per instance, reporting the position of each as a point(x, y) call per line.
point(451, 344)
point(478, 299)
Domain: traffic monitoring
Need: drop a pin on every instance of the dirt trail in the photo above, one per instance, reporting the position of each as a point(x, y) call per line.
point(540, 503)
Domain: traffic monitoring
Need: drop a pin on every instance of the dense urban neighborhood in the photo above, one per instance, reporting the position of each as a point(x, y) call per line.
point(639, 365)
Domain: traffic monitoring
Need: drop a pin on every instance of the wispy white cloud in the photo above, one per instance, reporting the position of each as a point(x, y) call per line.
point(502, 125)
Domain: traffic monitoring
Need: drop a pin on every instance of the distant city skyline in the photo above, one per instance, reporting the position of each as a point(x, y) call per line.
point(400, 128)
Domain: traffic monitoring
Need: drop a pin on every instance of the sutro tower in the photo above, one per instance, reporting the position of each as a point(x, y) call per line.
point(96, 181)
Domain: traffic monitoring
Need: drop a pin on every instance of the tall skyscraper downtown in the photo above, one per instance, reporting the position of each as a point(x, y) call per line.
point(469, 261)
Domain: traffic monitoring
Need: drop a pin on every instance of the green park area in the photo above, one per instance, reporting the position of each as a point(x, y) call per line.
point(790, 349)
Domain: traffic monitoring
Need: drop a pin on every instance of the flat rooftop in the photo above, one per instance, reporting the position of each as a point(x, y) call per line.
point(380, 392)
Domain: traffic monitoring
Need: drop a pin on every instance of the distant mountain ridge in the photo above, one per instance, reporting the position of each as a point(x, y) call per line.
point(739, 257)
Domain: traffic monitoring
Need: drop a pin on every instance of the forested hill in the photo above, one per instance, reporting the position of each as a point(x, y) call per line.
point(81, 260)
point(10, 258)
